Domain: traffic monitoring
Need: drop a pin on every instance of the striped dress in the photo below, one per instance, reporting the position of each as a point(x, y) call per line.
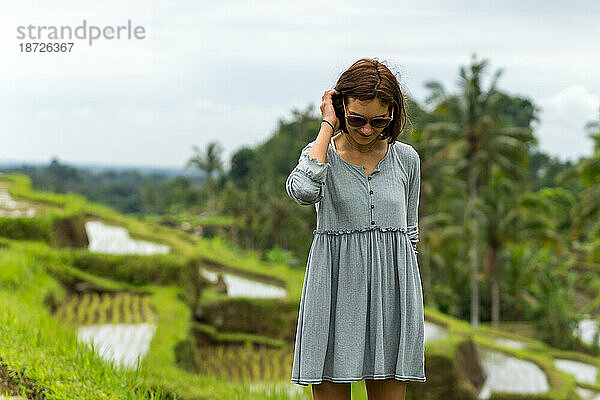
point(361, 312)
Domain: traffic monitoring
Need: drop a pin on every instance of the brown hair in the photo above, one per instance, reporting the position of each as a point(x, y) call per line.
point(366, 79)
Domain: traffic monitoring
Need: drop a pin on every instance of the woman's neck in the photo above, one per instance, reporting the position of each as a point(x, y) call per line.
point(359, 147)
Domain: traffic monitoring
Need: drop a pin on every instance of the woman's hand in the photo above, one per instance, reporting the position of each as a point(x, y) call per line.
point(327, 109)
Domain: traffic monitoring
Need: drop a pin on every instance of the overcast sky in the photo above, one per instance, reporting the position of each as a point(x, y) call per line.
point(229, 70)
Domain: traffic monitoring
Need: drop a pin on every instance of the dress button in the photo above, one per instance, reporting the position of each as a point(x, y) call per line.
point(371, 192)
point(372, 222)
point(369, 178)
point(372, 206)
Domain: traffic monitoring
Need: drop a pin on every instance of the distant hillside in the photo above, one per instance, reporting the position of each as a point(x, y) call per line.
point(129, 190)
point(7, 166)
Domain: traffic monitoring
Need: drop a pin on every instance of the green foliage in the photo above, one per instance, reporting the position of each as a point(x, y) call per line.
point(18, 270)
point(45, 350)
point(245, 363)
point(269, 317)
point(185, 352)
point(207, 334)
point(34, 228)
point(560, 202)
point(128, 191)
point(279, 255)
point(39, 348)
point(133, 269)
point(242, 163)
point(555, 317)
point(525, 234)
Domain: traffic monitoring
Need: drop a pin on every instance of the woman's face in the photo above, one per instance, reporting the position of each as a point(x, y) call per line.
point(368, 109)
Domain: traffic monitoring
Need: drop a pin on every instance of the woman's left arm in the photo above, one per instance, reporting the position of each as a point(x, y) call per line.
point(412, 209)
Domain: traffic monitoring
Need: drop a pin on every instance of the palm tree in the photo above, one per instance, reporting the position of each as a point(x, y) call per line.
point(275, 213)
point(209, 162)
point(594, 128)
point(434, 222)
point(243, 206)
point(555, 318)
point(586, 213)
point(472, 136)
point(508, 218)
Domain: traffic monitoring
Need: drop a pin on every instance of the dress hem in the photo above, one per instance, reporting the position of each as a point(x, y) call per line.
point(306, 382)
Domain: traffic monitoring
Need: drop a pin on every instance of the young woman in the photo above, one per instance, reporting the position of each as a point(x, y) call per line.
point(361, 311)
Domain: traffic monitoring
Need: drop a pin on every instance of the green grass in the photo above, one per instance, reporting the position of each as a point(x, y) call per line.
point(41, 349)
point(215, 250)
point(37, 346)
point(53, 266)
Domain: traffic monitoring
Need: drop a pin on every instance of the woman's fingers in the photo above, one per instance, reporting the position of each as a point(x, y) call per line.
point(328, 93)
point(327, 108)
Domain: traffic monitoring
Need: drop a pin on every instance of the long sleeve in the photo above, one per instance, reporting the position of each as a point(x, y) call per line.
point(306, 182)
point(413, 200)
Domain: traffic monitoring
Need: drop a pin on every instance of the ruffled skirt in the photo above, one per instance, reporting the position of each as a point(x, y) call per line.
point(361, 311)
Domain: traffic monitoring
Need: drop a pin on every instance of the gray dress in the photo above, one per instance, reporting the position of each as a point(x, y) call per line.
point(361, 311)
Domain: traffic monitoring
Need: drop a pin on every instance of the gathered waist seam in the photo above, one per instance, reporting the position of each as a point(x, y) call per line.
point(364, 229)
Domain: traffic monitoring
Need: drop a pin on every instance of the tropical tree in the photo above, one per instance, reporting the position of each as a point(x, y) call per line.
point(510, 217)
point(593, 127)
point(209, 162)
point(475, 138)
point(555, 290)
point(437, 209)
point(586, 213)
point(275, 213)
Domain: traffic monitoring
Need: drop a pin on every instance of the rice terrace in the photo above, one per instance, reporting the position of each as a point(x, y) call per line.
point(95, 304)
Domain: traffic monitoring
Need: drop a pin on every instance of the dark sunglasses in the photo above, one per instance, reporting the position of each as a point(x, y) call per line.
point(376, 122)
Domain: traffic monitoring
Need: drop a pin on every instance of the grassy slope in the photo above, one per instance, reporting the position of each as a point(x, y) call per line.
point(35, 343)
point(158, 369)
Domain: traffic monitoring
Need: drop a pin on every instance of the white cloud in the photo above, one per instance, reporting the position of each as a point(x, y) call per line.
point(136, 135)
point(149, 101)
point(564, 115)
point(205, 106)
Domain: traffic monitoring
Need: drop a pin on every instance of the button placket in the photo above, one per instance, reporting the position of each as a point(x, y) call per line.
point(371, 199)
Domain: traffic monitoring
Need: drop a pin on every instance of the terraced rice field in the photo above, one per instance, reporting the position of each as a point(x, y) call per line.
point(246, 364)
point(509, 374)
point(251, 365)
point(243, 287)
point(587, 394)
point(120, 326)
point(581, 371)
point(504, 372)
point(11, 208)
point(106, 308)
point(122, 344)
point(292, 391)
point(116, 240)
point(587, 331)
point(513, 344)
point(434, 332)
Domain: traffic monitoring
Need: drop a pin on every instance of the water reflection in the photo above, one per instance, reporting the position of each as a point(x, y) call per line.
point(587, 394)
point(12, 208)
point(581, 371)
point(242, 287)
point(434, 332)
point(120, 343)
point(587, 331)
point(510, 374)
point(513, 344)
point(116, 240)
